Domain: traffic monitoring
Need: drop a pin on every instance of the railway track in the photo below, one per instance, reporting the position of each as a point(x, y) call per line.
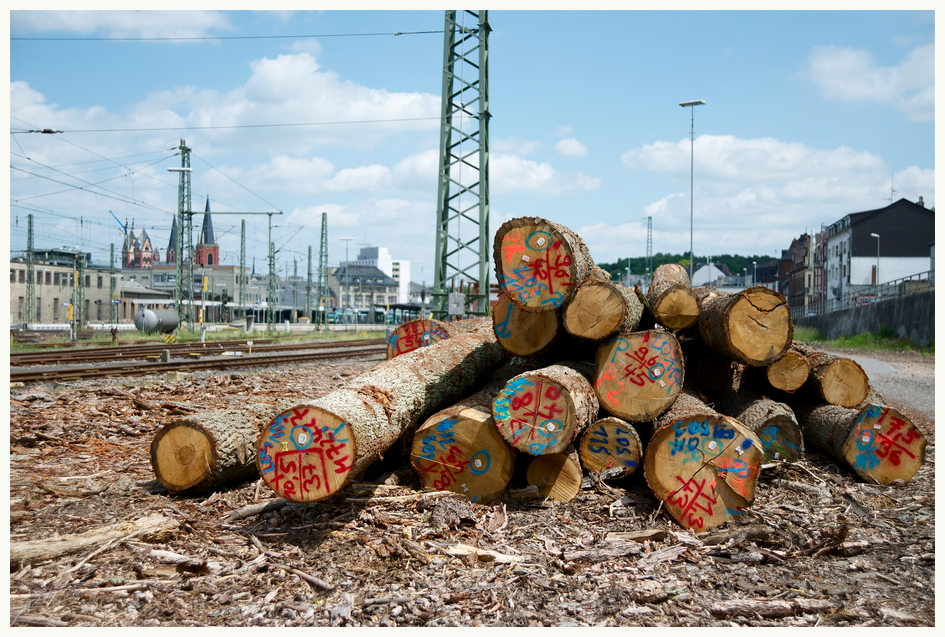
point(206, 359)
point(132, 352)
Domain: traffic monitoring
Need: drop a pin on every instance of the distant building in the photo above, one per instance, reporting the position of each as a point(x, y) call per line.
point(206, 252)
point(381, 259)
point(903, 248)
point(710, 274)
point(137, 251)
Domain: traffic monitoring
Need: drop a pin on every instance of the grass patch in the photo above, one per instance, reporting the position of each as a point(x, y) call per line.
point(885, 339)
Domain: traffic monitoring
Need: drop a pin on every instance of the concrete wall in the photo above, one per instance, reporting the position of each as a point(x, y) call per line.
point(911, 317)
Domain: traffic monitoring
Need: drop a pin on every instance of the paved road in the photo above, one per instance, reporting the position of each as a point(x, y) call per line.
point(916, 391)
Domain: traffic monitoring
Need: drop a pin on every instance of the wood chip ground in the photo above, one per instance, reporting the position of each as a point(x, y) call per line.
point(817, 548)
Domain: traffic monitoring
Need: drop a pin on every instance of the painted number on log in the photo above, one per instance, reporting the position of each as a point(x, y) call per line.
point(415, 335)
point(527, 412)
point(298, 456)
point(447, 459)
point(613, 441)
point(654, 363)
point(536, 281)
point(694, 501)
point(884, 438)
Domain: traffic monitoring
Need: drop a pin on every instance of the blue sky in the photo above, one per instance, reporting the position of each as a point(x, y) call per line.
point(809, 115)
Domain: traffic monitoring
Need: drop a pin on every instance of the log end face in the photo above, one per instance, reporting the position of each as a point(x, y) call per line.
point(844, 383)
point(557, 476)
point(884, 446)
point(759, 327)
point(464, 454)
point(183, 455)
point(306, 454)
point(611, 444)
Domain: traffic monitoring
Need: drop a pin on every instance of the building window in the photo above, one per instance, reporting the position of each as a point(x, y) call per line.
point(48, 277)
point(12, 275)
point(57, 280)
point(21, 276)
point(55, 309)
point(19, 308)
point(88, 280)
point(100, 282)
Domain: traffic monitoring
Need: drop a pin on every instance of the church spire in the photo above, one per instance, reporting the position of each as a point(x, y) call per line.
point(206, 232)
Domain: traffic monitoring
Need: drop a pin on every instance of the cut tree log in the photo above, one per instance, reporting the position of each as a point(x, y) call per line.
point(557, 475)
point(753, 327)
point(543, 411)
point(523, 333)
point(425, 332)
point(599, 309)
point(539, 264)
point(670, 297)
point(416, 334)
point(638, 374)
point(459, 448)
point(153, 528)
point(463, 452)
point(836, 380)
point(790, 372)
point(703, 465)
point(744, 398)
point(612, 445)
point(877, 442)
point(211, 448)
point(313, 450)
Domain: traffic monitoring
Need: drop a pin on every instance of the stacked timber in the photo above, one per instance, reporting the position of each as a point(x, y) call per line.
point(571, 373)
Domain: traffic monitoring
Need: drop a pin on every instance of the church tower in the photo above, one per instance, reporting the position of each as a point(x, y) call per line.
point(207, 252)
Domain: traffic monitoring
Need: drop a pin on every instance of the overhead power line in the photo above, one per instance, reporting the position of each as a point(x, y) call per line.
point(231, 37)
point(177, 128)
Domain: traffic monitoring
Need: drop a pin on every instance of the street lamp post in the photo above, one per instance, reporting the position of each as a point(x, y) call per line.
point(873, 234)
point(754, 273)
point(692, 139)
point(344, 306)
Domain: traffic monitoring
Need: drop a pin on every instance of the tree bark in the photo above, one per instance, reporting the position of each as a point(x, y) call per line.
point(523, 333)
point(600, 308)
point(154, 528)
point(638, 374)
point(312, 451)
point(613, 445)
point(773, 422)
point(210, 449)
point(543, 411)
point(671, 299)
point(539, 264)
point(703, 465)
point(753, 327)
point(877, 442)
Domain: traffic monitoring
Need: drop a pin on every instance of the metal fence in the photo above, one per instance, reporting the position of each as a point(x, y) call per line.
point(866, 294)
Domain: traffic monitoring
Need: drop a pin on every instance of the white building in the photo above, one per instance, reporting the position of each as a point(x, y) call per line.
point(381, 259)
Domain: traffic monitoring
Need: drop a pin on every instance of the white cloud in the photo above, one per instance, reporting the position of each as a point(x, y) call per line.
point(116, 24)
point(756, 195)
point(571, 147)
point(511, 173)
point(360, 179)
point(515, 146)
point(852, 75)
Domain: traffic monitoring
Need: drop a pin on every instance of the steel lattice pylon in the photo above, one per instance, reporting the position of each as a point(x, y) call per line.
point(463, 249)
point(185, 242)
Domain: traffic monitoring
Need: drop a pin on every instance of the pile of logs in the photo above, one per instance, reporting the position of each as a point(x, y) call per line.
point(571, 375)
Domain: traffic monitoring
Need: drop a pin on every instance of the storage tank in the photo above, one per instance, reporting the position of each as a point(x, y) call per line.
point(164, 321)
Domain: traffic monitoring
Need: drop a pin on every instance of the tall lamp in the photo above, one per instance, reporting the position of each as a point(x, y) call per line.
point(873, 234)
point(692, 140)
